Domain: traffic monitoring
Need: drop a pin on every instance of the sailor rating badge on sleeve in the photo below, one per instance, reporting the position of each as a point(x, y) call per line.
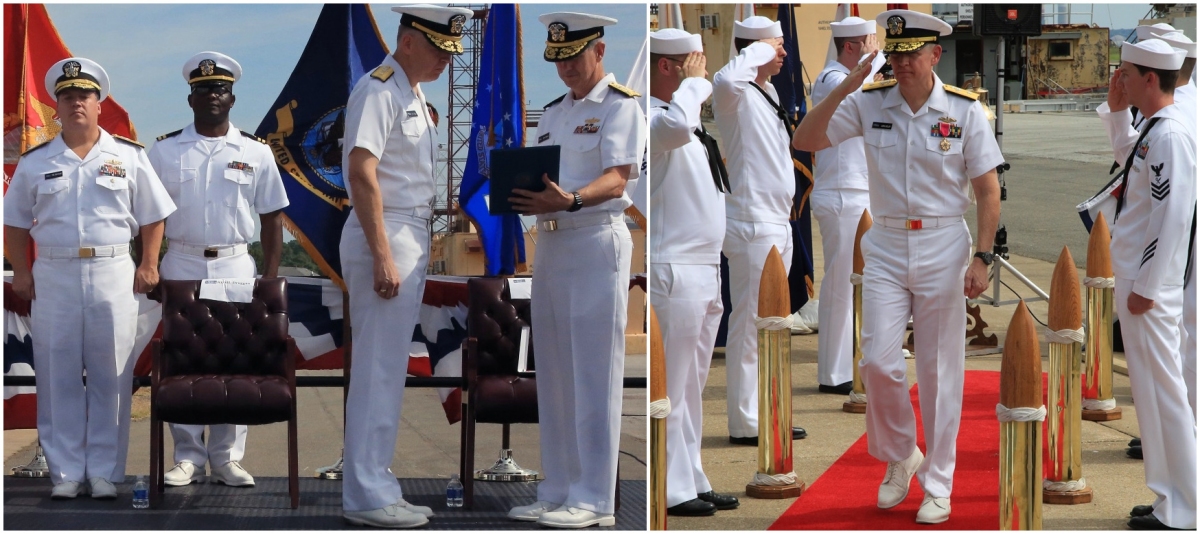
point(589, 126)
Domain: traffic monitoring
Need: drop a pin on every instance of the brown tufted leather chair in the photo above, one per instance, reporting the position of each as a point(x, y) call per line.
point(223, 363)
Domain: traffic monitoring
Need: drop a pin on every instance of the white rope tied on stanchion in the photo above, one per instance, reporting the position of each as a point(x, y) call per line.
point(763, 479)
point(855, 279)
point(1066, 485)
point(1019, 414)
point(1099, 282)
point(1065, 336)
point(773, 323)
point(1097, 404)
point(660, 409)
point(856, 398)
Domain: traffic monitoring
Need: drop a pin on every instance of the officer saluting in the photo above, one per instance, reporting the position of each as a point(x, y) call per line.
point(90, 193)
point(220, 177)
point(925, 143)
point(581, 285)
point(390, 149)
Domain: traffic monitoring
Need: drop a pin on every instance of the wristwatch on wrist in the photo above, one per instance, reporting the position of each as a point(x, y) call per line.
point(577, 204)
point(986, 257)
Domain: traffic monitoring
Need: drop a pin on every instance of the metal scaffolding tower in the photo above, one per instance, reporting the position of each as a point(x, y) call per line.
point(463, 77)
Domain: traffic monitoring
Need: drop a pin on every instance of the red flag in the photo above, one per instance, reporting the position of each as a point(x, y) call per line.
point(896, 6)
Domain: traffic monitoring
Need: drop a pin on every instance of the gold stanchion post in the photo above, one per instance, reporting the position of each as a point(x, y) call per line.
point(1021, 413)
point(1064, 482)
point(858, 396)
point(1098, 401)
point(660, 406)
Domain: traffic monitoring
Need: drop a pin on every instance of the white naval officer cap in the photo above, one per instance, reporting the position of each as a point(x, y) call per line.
point(756, 28)
point(76, 72)
point(852, 27)
point(1154, 54)
point(1150, 31)
point(1178, 40)
point(908, 31)
point(670, 42)
point(211, 67)
point(442, 26)
point(568, 33)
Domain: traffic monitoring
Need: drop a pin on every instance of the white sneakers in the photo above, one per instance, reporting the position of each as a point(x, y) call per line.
point(531, 512)
point(101, 488)
point(232, 474)
point(393, 516)
point(423, 510)
point(568, 517)
point(934, 510)
point(183, 473)
point(805, 321)
point(68, 490)
point(894, 488)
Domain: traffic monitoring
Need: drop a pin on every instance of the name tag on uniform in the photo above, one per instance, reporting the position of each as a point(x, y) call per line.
point(244, 167)
point(882, 125)
point(411, 113)
point(112, 168)
point(543, 138)
point(53, 175)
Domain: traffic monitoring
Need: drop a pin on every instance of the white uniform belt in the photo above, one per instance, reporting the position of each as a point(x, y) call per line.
point(919, 223)
point(423, 212)
point(583, 221)
point(110, 251)
point(214, 251)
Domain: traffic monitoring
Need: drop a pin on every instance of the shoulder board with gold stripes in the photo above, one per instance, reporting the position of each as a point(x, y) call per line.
point(960, 92)
point(878, 85)
point(382, 73)
point(555, 101)
point(168, 135)
point(624, 90)
point(35, 147)
point(252, 136)
point(129, 141)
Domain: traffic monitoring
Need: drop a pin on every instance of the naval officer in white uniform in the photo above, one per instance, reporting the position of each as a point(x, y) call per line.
point(687, 184)
point(1149, 249)
point(389, 154)
point(220, 178)
point(925, 144)
point(90, 193)
point(755, 132)
point(581, 285)
point(838, 199)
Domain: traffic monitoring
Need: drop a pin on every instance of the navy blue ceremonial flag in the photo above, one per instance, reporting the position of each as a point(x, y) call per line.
point(305, 125)
point(790, 85)
point(499, 122)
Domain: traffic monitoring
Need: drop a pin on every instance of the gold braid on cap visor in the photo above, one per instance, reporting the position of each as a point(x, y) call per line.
point(907, 44)
point(445, 42)
point(568, 50)
point(80, 83)
point(215, 77)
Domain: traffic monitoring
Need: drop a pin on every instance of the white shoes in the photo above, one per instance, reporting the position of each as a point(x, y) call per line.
point(392, 516)
point(423, 510)
point(232, 474)
point(934, 510)
point(102, 488)
point(183, 473)
point(568, 517)
point(531, 512)
point(805, 321)
point(68, 490)
point(894, 488)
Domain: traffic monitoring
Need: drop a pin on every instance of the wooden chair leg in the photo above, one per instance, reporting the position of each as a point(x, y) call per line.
point(617, 497)
point(156, 452)
point(468, 457)
point(293, 462)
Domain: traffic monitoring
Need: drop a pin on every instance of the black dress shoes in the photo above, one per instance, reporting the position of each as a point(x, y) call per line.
point(1135, 442)
point(841, 389)
point(1141, 510)
point(797, 433)
point(1134, 452)
point(693, 508)
point(721, 501)
point(1148, 522)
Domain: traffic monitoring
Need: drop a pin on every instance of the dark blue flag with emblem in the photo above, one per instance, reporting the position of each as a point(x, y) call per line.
point(304, 128)
point(499, 122)
point(789, 83)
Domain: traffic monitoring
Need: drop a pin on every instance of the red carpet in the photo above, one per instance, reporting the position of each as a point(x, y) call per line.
point(844, 497)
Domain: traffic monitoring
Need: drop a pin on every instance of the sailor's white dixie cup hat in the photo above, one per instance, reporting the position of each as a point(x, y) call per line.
point(211, 67)
point(756, 28)
point(852, 27)
point(908, 31)
point(568, 33)
point(1154, 54)
point(442, 26)
point(1150, 31)
point(671, 42)
point(1178, 40)
point(76, 72)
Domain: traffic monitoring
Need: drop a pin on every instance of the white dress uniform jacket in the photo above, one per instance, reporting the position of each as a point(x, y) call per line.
point(580, 294)
point(686, 228)
point(388, 117)
point(84, 315)
point(763, 182)
point(916, 173)
point(219, 185)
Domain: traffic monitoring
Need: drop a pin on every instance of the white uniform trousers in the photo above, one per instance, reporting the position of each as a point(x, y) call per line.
point(1187, 347)
point(580, 295)
point(226, 443)
point(838, 212)
point(687, 300)
point(1167, 427)
point(382, 335)
point(84, 318)
point(746, 246)
point(918, 273)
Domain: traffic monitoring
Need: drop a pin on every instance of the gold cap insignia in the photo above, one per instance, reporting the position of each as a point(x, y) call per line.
point(558, 32)
point(456, 24)
point(207, 67)
point(895, 25)
point(71, 69)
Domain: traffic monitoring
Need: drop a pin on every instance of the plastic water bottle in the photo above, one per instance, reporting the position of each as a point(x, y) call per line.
point(141, 493)
point(454, 493)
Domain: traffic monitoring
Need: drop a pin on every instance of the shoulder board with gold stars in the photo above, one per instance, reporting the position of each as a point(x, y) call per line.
point(252, 136)
point(555, 101)
point(168, 135)
point(878, 85)
point(129, 141)
point(382, 73)
point(960, 92)
point(624, 90)
point(35, 147)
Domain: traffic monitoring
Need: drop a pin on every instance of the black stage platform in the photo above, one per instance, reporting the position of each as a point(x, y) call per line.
point(27, 506)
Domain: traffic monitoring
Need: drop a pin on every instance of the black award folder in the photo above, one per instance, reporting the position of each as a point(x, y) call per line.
point(520, 168)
